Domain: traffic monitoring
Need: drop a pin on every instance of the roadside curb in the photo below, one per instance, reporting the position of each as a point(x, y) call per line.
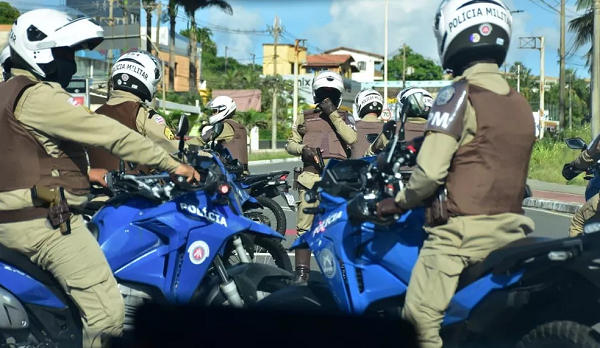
point(279, 160)
point(549, 204)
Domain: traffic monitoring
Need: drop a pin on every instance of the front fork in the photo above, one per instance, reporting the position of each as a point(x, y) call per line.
point(228, 286)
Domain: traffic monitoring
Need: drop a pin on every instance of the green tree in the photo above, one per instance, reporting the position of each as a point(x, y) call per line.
point(190, 7)
point(423, 68)
point(528, 82)
point(8, 14)
point(583, 27)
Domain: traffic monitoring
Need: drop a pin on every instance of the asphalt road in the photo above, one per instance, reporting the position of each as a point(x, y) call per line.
point(547, 224)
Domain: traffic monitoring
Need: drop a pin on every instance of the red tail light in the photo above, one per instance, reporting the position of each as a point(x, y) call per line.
point(411, 148)
point(283, 177)
point(224, 189)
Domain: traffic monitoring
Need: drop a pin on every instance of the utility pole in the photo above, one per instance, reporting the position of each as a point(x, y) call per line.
point(518, 78)
point(164, 93)
point(532, 43)
point(596, 73)
point(276, 31)
point(404, 66)
point(385, 55)
point(253, 60)
point(199, 57)
point(561, 89)
point(226, 59)
point(158, 14)
point(295, 105)
point(111, 22)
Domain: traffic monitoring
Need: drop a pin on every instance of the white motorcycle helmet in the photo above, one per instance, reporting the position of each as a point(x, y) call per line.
point(5, 62)
point(221, 108)
point(139, 73)
point(328, 84)
point(420, 102)
point(37, 37)
point(367, 101)
point(469, 31)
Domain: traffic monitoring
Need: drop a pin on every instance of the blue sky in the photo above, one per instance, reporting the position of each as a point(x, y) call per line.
point(359, 24)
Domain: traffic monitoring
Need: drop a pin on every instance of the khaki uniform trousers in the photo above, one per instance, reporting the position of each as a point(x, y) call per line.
point(80, 267)
point(586, 212)
point(449, 249)
point(304, 221)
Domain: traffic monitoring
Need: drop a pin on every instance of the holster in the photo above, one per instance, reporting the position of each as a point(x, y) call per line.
point(297, 172)
point(59, 214)
point(436, 208)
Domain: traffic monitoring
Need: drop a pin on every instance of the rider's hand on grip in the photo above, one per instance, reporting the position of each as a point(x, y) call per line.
point(188, 172)
point(388, 207)
point(569, 171)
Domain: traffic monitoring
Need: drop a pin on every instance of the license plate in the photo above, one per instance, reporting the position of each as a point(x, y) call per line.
point(290, 199)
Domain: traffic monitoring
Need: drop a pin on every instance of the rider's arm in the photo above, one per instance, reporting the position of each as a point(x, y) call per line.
point(154, 127)
point(294, 145)
point(227, 134)
point(589, 156)
point(347, 132)
point(47, 109)
point(433, 162)
point(379, 144)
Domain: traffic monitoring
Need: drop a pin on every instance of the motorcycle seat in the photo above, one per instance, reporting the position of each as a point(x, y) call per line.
point(503, 260)
point(253, 178)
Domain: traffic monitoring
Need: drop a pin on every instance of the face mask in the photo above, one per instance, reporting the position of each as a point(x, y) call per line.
point(65, 69)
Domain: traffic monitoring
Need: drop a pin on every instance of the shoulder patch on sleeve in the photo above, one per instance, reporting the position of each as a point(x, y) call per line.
point(448, 110)
point(169, 133)
point(158, 119)
point(73, 101)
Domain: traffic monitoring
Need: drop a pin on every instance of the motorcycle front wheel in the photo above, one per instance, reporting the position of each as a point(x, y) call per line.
point(260, 249)
point(271, 215)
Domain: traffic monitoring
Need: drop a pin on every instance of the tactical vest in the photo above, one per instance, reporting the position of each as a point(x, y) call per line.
point(362, 129)
point(413, 130)
point(320, 132)
point(126, 114)
point(238, 146)
point(26, 162)
point(488, 175)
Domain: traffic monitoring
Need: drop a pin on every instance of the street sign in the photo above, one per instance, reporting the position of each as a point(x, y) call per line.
point(386, 115)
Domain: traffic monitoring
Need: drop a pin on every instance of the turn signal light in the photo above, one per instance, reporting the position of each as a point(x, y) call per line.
point(224, 189)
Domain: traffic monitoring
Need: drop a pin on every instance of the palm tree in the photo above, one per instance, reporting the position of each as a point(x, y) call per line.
point(231, 79)
point(190, 7)
point(172, 21)
point(583, 27)
point(149, 6)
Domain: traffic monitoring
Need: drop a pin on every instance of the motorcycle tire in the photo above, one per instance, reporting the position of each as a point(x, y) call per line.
point(563, 334)
point(270, 204)
point(268, 245)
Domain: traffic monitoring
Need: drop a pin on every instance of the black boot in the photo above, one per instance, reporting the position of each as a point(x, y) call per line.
point(302, 263)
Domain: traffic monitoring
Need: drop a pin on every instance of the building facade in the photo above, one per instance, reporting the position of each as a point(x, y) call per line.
point(368, 65)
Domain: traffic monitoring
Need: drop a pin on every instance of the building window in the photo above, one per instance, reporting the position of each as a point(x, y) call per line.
point(315, 70)
point(362, 66)
point(175, 70)
point(292, 67)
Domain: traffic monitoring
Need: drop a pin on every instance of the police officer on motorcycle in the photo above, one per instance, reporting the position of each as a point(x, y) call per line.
point(368, 106)
point(586, 159)
point(329, 129)
point(419, 103)
point(472, 166)
point(45, 128)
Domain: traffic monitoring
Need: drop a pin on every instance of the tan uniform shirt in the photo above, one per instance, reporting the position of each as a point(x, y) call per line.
point(295, 145)
point(51, 115)
point(155, 128)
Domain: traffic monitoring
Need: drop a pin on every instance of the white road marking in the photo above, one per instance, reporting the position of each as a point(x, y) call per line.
point(549, 212)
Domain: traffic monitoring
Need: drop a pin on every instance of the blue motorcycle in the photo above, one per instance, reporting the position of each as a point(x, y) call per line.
point(535, 292)
point(169, 251)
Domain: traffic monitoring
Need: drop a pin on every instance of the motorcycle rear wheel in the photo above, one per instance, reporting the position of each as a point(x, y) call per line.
point(278, 222)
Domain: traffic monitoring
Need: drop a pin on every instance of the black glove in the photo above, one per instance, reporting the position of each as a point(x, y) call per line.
point(388, 206)
point(327, 107)
point(309, 155)
point(569, 171)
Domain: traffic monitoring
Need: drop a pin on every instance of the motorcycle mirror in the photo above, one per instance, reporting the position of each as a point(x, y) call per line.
point(182, 129)
point(371, 137)
point(403, 116)
point(121, 166)
point(389, 128)
point(576, 143)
